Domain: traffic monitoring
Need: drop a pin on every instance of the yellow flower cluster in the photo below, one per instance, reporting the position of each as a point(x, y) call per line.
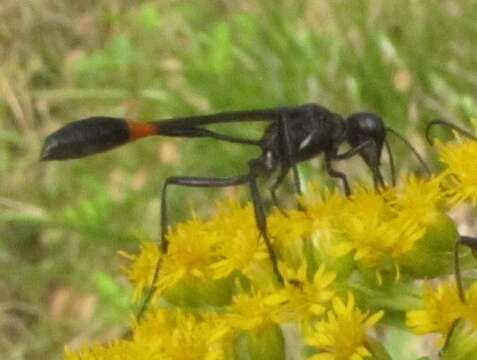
point(217, 296)
point(442, 310)
point(338, 336)
point(441, 307)
point(166, 334)
point(461, 170)
point(372, 231)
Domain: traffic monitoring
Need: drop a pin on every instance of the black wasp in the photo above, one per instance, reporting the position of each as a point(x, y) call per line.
point(295, 134)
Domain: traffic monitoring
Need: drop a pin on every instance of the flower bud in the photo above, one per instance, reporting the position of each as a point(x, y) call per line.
point(430, 255)
point(265, 343)
point(194, 292)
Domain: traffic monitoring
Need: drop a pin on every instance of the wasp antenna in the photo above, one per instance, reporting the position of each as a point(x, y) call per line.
point(416, 154)
point(449, 125)
point(471, 243)
point(391, 162)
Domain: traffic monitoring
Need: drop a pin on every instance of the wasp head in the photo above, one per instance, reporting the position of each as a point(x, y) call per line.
point(367, 127)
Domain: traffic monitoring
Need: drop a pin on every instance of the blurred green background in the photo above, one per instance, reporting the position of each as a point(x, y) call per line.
point(61, 224)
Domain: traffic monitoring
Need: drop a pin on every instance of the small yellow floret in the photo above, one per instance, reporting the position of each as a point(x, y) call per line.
point(306, 299)
point(461, 173)
point(342, 335)
point(251, 311)
point(441, 307)
point(141, 271)
point(165, 334)
point(240, 247)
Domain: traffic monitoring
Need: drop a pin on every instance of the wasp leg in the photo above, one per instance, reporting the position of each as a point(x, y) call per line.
point(188, 181)
point(333, 155)
point(337, 174)
point(289, 151)
point(392, 167)
point(210, 182)
point(373, 163)
point(261, 221)
point(273, 189)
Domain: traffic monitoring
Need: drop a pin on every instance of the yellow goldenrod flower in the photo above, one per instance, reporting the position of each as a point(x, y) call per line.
point(239, 247)
point(407, 235)
point(185, 336)
point(289, 232)
point(366, 202)
point(171, 335)
point(427, 232)
point(461, 173)
point(141, 271)
point(342, 335)
point(156, 323)
point(325, 214)
point(366, 227)
point(441, 307)
point(369, 234)
point(362, 228)
point(419, 201)
point(112, 351)
point(259, 308)
point(371, 241)
point(326, 210)
point(191, 248)
point(373, 235)
point(305, 299)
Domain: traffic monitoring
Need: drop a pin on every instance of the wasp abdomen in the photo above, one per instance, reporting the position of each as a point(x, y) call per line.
point(85, 137)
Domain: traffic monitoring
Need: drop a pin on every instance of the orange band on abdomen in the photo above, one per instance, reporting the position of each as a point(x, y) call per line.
point(138, 129)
